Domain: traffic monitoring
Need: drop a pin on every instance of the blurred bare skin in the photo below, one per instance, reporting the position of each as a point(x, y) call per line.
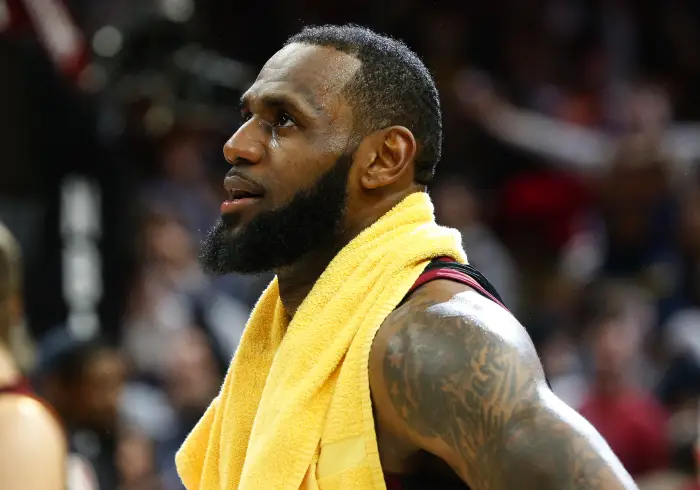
point(30, 436)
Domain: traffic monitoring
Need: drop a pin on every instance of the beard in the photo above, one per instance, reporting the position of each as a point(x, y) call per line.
point(312, 220)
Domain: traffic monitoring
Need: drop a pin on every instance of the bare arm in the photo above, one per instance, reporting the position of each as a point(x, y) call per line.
point(459, 378)
point(568, 143)
point(32, 446)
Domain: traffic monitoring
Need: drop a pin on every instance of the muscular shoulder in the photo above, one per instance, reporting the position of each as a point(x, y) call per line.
point(30, 438)
point(456, 375)
point(441, 311)
point(449, 337)
point(448, 351)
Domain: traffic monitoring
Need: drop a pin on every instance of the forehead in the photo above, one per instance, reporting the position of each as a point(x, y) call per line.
point(313, 72)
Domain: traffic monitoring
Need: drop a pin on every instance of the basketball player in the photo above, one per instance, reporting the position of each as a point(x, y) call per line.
point(340, 126)
point(32, 443)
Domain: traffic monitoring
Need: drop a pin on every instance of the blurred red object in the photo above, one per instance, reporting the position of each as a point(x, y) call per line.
point(51, 23)
point(634, 424)
point(549, 202)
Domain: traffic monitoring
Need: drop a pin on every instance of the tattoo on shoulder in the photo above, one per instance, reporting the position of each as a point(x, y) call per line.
point(451, 379)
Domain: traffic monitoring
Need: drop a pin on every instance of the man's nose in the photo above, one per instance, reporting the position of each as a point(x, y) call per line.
point(244, 145)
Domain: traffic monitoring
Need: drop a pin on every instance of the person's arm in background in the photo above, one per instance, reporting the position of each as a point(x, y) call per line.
point(552, 139)
point(32, 446)
point(571, 144)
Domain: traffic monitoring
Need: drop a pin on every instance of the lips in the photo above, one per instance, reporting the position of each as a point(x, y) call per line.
point(239, 187)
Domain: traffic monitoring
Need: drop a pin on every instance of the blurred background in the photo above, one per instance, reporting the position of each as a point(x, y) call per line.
point(572, 137)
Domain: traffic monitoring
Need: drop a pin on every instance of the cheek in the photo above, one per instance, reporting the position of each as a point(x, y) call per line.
point(286, 184)
point(333, 143)
point(296, 171)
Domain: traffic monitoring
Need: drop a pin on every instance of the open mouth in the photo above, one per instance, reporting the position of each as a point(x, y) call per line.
point(242, 191)
point(238, 194)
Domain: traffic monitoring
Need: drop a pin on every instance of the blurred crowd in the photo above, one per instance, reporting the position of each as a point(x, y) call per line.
point(572, 135)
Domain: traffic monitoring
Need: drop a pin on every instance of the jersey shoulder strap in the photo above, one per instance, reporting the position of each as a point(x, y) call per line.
point(445, 268)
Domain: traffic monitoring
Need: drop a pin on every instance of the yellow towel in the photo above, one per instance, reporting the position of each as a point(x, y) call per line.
point(294, 410)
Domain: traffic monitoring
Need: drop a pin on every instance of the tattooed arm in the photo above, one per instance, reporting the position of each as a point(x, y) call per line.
point(455, 375)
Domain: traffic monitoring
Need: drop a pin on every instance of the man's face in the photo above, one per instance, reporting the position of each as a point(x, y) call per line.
point(291, 160)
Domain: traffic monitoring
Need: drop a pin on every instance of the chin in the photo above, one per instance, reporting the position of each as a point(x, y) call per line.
point(231, 221)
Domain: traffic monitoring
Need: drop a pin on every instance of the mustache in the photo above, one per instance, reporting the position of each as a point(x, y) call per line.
point(236, 172)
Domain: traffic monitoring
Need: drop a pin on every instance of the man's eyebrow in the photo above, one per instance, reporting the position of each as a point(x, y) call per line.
point(275, 100)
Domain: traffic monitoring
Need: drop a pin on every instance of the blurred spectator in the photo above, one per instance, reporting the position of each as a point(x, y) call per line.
point(84, 380)
point(626, 414)
point(563, 363)
point(679, 391)
point(31, 434)
point(173, 294)
point(459, 207)
point(681, 310)
point(639, 212)
point(192, 381)
point(183, 186)
point(135, 462)
point(162, 417)
point(629, 233)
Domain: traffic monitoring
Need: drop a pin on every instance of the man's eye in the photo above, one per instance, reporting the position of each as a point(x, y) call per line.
point(284, 120)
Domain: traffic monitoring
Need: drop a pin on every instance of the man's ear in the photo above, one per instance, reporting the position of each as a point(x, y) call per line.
point(389, 156)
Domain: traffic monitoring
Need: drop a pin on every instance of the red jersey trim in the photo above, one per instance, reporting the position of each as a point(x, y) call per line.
point(456, 276)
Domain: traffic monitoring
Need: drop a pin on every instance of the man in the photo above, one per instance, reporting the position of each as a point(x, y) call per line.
point(340, 127)
point(30, 436)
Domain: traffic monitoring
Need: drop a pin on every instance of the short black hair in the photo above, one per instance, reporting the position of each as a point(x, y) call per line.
point(71, 366)
point(66, 358)
point(392, 87)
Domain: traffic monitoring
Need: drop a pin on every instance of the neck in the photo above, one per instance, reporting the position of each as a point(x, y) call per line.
point(296, 281)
